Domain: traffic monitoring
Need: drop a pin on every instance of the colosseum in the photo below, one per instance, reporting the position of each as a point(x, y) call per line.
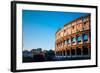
point(74, 39)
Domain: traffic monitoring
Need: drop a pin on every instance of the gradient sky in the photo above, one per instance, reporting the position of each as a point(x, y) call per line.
point(39, 27)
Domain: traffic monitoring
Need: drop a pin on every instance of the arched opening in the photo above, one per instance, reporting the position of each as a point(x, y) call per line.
point(79, 39)
point(85, 50)
point(68, 52)
point(72, 51)
point(78, 51)
point(59, 53)
point(85, 37)
point(64, 53)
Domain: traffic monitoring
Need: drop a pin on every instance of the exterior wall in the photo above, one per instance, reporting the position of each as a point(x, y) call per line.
point(79, 25)
point(74, 31)
point(86, 22)
point(68, 29)
point(73, 27)
point(65, 31)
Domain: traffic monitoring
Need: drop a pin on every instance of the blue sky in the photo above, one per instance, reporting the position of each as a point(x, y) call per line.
point(39, 27)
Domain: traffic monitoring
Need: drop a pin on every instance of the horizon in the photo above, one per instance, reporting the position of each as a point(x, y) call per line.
point(37, 48)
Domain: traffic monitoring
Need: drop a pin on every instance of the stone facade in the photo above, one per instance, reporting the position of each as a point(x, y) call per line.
point(74, 39)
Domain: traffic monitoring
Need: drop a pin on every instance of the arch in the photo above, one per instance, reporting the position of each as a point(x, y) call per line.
point(78, 51)
point(60, 53)
point(68, 52)
point(85, 37)
point(64, 52)
point(85, 50)
point(72, 51)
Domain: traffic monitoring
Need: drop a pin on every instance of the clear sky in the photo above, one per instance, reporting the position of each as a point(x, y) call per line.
point(39, 27)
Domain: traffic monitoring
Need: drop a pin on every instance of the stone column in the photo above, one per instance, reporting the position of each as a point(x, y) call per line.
point(62, 53)
point(65, 52)
point(58, 53)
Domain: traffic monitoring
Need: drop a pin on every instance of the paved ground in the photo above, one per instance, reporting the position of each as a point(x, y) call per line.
point(70, 58)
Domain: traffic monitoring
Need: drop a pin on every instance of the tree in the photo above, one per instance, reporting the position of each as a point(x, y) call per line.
point(49, 55)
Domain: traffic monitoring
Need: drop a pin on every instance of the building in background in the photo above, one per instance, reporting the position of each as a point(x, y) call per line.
point(74, 39)
point(36, 51)
point(32, 52)
point(27, 53)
